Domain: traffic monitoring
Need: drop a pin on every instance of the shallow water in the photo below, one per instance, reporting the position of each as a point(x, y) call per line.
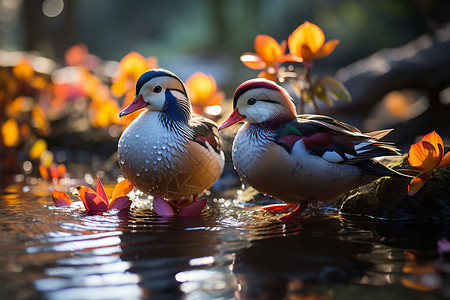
point(229, 252)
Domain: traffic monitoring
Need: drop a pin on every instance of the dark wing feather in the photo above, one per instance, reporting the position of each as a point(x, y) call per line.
point(205, 130)
point(333, 140)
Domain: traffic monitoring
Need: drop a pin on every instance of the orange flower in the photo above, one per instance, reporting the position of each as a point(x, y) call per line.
point(11, 133)
point(269, 54)
point(202, 89)
point(76, 55)
point(23, 70)
point(308, 43)
point(104, 114)
point(131, 68)
point(97, 200)
point(54, 172)
point(427, 155)
point(40, 121)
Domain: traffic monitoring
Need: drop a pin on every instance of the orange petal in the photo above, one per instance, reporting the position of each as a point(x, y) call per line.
point(445, 160)
point(267, 48)
point(93, 202)
point(101, 190)
point(283, 46)
point(290, 57)
point(121, 203)
point(434, 139)
point(423, 155)
point(61, 199)
point(61, 170)
point(253, 61)
point(307, 34)
point(327, 49)
point(417, 182)
point(44, 172)
point(122, 189)
point(82, 190)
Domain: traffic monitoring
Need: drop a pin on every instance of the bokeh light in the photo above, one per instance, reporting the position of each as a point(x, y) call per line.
point(52, 8)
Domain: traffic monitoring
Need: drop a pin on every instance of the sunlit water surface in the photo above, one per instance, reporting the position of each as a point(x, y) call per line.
point(229, 252)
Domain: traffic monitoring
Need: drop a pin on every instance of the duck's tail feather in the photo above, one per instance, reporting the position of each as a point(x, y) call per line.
point(373, 167)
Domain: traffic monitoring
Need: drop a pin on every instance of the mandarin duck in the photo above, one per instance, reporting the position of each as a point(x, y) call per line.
point(300, 158)
point(167, 151)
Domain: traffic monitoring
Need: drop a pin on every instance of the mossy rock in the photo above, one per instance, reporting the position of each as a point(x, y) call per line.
point(387, 197)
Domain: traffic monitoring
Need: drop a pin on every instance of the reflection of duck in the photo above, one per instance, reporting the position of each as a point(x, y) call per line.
point(304, 267)
point(167, 151)
point(300, 158)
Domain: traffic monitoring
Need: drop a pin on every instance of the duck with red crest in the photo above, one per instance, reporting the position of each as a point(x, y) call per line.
point(167, 151)
point(300, 158)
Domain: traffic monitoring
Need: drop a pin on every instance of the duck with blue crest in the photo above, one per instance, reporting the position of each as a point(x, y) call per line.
point(167, 151)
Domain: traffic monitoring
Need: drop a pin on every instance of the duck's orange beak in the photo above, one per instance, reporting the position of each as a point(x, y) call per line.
point(137, 103)
point(234, 118)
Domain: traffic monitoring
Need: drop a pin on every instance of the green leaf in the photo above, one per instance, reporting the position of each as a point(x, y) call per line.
point(334, 88)
point(321, 94)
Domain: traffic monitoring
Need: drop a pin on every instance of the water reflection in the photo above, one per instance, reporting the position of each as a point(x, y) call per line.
point(228, 252)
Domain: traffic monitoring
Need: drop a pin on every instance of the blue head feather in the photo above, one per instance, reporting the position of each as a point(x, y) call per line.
point(156, 73)
point(176, 110)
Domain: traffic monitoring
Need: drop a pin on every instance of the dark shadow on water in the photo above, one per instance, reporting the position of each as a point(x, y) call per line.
point(228, 252)
point(271, 268)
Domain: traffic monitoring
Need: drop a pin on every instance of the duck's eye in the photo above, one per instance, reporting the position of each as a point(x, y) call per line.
point(157, 89)
point(251, 101)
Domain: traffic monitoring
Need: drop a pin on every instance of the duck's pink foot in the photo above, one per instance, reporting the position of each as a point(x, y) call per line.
point(278, 207)
point(296, 212)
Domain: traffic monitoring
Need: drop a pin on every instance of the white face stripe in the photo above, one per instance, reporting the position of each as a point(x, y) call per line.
point(261, 110)
point(156, 100)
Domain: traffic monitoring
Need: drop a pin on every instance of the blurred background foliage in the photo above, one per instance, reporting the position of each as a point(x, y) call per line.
point(209, 36)
point(185, 37)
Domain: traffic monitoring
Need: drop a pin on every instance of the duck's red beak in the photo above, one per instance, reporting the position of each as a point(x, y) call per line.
point(137, 103)
point(234, 118)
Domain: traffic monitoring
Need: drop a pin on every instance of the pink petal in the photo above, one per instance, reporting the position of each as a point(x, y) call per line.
point(121, 203)
point(94, 202)
point(101, 190)
point(194, 209)
point(162, 207)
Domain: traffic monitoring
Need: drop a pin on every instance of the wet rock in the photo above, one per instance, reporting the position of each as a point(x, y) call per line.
point(387, 197)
